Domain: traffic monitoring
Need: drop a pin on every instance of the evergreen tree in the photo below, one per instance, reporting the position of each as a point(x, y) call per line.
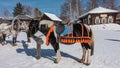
point(6, 12)
point(18, 9)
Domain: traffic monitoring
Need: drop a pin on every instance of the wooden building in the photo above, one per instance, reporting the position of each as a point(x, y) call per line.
point(99, 15)
point(47, 20)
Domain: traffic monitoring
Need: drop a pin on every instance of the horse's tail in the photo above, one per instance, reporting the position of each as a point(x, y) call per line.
point(92, 42)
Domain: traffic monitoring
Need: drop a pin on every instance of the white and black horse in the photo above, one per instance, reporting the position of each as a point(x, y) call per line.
point(88, 48)
point(55, 35)
point(5, 30)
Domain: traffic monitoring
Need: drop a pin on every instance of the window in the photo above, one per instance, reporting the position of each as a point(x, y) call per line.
point(88, 21)
point(110, 19)
point(103, 20)
point(97, 20)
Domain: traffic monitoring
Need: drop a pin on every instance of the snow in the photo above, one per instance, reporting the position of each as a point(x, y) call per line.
point(102, 10)
point(110, 26)
point(53, 17)
point(99, 10)
point(106, 54)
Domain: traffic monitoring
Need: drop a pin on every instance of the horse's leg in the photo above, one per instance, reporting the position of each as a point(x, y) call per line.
point(14, 41)
point(82, 60)
point(88, 57)
point(28, 39)
point(57, 51)
point(28, 36)
point(4, 40)
point(90, 47)
point(58, 55)
point(15, 38)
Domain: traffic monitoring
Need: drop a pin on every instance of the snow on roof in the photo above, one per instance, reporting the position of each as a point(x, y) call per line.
point(23, 17)
point(1, 17)
point(29, 16)
point(53, 17)
point(100, 10)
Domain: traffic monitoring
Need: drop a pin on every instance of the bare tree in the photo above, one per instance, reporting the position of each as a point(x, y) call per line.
point(65, 12)
point(37, 13)
point(6, 12)
point(91, 4)
point(27, 10)
point(111, 4)
point(71, 9)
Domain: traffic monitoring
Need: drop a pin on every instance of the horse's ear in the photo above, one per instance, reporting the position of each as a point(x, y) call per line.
point(80, 20)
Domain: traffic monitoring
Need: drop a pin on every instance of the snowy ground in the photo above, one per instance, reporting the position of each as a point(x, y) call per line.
point(106, 55)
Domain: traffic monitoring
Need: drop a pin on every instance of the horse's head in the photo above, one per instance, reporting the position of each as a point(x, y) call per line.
point(59, 27)
point(33, 26)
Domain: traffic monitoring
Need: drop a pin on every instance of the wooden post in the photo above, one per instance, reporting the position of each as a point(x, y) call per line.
point(39, 42)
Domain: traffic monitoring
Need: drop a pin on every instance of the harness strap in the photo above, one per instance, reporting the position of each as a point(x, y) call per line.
point(48, 34)
point(87, 30)
point(82, 29)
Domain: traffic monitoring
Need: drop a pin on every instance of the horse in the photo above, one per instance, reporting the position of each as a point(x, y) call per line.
point(53, 37)
point(17, 26)
point(5, 30)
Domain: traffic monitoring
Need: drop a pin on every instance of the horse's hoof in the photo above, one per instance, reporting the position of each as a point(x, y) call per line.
point(87, 64)
point(37, 57)
point(14, 44)
point(81, 61)
point(56, 61)
point(4, 44)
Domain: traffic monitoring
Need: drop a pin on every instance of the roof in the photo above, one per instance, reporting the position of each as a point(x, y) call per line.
point(53, 17)
point(100, 10)
point(103, 10)
point(24, 17)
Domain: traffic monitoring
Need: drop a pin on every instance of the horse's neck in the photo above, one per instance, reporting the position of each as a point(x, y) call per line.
point(59, 29)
